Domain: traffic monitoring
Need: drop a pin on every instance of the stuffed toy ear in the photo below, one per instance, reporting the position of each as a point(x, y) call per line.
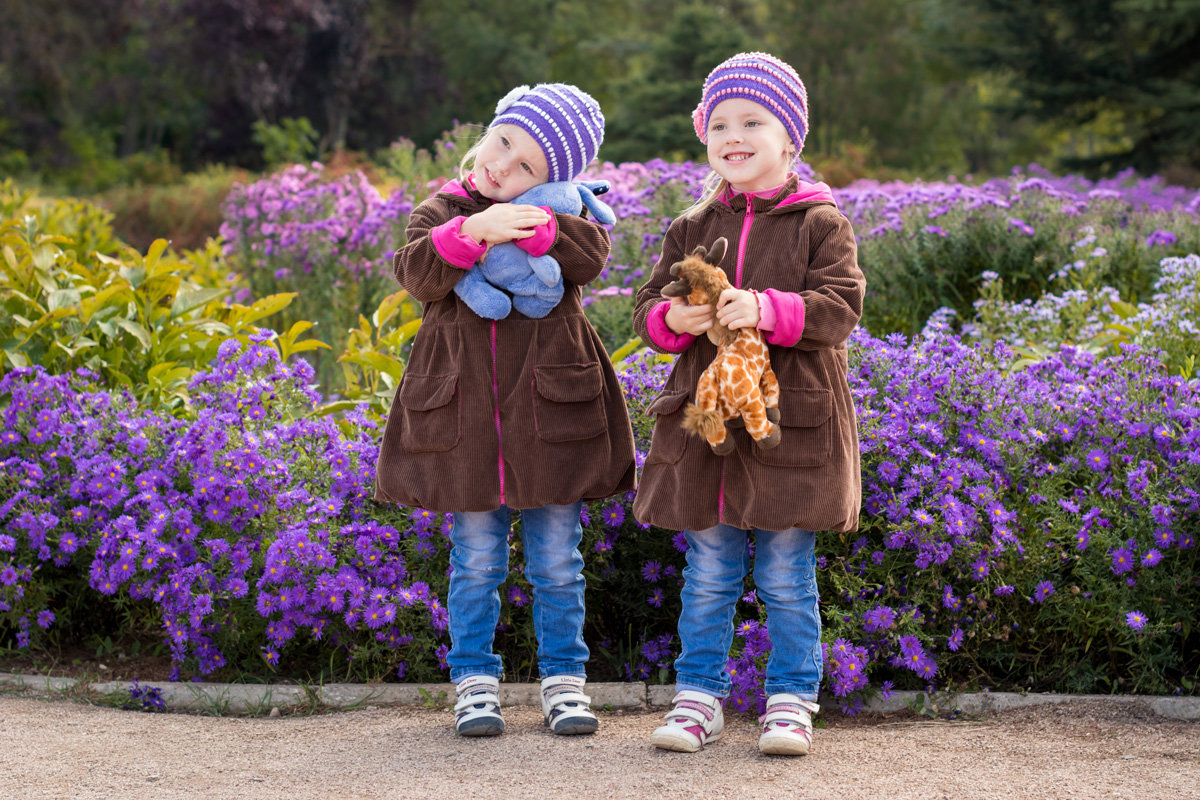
point(597, 187)
point(601, 211)
point(718, 251)
point(678, 288)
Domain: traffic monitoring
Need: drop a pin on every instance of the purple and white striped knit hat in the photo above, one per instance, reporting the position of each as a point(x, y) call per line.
point(563, 119)
point(763, 79)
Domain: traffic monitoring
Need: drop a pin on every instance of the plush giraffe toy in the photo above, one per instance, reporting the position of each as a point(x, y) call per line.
point(739, 384)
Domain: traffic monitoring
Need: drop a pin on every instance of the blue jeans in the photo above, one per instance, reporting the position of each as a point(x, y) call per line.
point(785, 576)
point(554, 568)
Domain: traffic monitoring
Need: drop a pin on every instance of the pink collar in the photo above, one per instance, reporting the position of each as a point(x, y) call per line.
point(805, 193)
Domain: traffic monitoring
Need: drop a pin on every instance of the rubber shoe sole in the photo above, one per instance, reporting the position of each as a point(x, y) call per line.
point(782, 743)
point(576, 726)
point(482, 726)
point(669, 737)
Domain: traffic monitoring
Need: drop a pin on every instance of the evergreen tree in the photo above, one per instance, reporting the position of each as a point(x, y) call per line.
point(1078, 61)
point(652, 117)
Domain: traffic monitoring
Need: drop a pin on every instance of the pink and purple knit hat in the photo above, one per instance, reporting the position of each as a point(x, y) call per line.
point(562, 118)
point(763, 79)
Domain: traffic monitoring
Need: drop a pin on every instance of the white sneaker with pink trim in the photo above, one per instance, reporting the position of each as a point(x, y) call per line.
point(694, 721)
point(787, 726)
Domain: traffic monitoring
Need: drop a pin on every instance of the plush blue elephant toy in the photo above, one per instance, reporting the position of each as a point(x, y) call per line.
point(508, 277)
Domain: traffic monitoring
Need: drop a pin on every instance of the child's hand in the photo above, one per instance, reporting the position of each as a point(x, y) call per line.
point(737, 308)
point(504, 222)
point(682, 318)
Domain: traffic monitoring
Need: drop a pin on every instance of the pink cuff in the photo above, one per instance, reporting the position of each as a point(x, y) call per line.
point(456, 247)
point(766, 312)
point(663, 336)
point(543, 236)
point(789, 317)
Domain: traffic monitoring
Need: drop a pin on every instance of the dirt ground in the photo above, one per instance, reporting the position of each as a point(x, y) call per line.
point(1086, 749)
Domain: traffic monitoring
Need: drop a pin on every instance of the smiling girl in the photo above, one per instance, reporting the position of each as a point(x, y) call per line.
point(518, 415)
point(796, 278)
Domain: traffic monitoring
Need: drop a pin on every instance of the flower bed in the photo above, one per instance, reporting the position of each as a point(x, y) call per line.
point(1016, 527)
point(1030, 510)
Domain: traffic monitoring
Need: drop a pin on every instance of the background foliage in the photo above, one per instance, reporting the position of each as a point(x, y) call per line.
point(96, 94)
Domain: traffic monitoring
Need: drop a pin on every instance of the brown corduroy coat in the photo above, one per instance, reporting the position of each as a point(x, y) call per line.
point(812, 479)
point(521, 412)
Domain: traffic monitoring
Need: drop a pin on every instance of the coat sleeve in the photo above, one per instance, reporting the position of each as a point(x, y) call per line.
point(833, 298)
point(418, 265)
point(649, 323)
point(581, 248)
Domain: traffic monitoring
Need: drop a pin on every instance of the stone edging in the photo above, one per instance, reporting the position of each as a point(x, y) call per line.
point(236, 698)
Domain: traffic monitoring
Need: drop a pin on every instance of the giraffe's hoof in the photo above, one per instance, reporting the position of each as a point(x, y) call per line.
point(724, 448)
point(773, 413)
point(771, 439)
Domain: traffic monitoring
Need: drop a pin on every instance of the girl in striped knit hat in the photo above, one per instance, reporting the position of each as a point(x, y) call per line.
point(793, 264)
point(519, 414)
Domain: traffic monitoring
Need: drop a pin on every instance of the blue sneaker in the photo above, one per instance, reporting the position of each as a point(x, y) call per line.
point(477, 712)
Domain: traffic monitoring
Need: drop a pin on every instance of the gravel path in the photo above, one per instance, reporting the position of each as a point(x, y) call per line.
point(1088, 749)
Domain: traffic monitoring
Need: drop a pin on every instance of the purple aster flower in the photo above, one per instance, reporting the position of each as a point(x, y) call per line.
point(1097, 460)
point(1151, 558)
point(1021, 225)
point(1043, 590)
point(955, 640)
point(1122, 560)
point(656, 598)
point(614, 515)
point(518, 597)
point(652, 571)
point(877, 619)
point(1135, 620)
point(1161, 237)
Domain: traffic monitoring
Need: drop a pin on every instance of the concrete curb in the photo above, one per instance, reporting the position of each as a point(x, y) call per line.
point(238, 698)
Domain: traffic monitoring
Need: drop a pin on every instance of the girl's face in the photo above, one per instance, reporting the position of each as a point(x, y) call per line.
point(508, 162)
point(748, 146)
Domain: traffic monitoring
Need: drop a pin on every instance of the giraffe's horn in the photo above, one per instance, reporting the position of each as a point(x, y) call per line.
point(718, 251)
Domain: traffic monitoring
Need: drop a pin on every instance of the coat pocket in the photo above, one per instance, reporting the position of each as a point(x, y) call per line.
point(568, 402)
point(806, 420)
point(670, 439)
point(431, 413)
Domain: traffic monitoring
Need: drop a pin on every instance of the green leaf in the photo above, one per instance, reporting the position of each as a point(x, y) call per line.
point(60, 298)
point(134, 273)
point(1122, 309)
point(387, 308)
point(377, 361)
point(307, 344)
point(263, 307)
point(188, 300)
point(116, 295)
point(333, 408)
point(53, 316)
point(157, 247)
point(158, 287)
point(624, 350)
point(139, 332)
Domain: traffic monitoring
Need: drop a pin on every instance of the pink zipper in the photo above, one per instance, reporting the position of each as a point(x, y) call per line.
point(746, 223)
point(721, 496)
point(496, 399)
point(741, 259)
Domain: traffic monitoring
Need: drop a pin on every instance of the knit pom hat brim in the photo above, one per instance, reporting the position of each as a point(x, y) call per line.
point(564, 120)
point(761, 78)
